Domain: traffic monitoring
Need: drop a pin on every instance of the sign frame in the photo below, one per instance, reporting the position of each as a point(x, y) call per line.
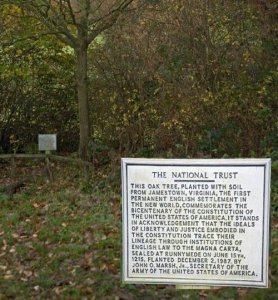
point(128, 163)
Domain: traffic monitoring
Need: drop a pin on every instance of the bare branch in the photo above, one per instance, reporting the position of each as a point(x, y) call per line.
point(71, 12)
point(68, 18)
point(54, 22)
point(43, 11)
point(106, 21)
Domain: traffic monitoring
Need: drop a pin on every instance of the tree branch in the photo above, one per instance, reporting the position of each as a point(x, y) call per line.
point(105, 22)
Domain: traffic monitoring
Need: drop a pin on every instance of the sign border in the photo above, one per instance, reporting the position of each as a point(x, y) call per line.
point(265, 163)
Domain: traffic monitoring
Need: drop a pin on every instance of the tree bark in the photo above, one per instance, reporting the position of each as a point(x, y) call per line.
point(82, 92)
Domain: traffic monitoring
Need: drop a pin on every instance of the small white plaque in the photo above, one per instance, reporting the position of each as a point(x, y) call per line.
point(47, 142)
point(196, 222)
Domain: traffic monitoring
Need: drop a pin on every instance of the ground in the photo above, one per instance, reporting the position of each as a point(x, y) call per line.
point(62, 240)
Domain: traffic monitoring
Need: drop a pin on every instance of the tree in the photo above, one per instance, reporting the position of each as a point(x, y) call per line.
point(77, 23)
point(188, 78)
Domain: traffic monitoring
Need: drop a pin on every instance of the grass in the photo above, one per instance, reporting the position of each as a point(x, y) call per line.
point(63, 241)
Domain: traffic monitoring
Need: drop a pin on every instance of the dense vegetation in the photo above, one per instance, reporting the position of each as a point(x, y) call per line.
point(181, 78)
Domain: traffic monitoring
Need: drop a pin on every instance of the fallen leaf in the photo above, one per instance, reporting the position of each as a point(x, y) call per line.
point(103, 267)
point(113, 269)
point(89, 281)
point(89, 257)
point(4, 247)
point(28, 273)
point(8, 275)
point(24, 279)
point(89, 237)
point(15, 235)
point(12, 250)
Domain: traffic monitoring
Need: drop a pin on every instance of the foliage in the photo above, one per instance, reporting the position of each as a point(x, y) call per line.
point(36, 90)
point(186, 79)
point(201, 75)
point(76, 24)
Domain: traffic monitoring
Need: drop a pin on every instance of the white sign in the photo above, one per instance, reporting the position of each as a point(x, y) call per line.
point(196, 222)
point(47, 142)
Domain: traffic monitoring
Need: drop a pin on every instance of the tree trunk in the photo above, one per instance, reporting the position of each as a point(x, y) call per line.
point(82, 91)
